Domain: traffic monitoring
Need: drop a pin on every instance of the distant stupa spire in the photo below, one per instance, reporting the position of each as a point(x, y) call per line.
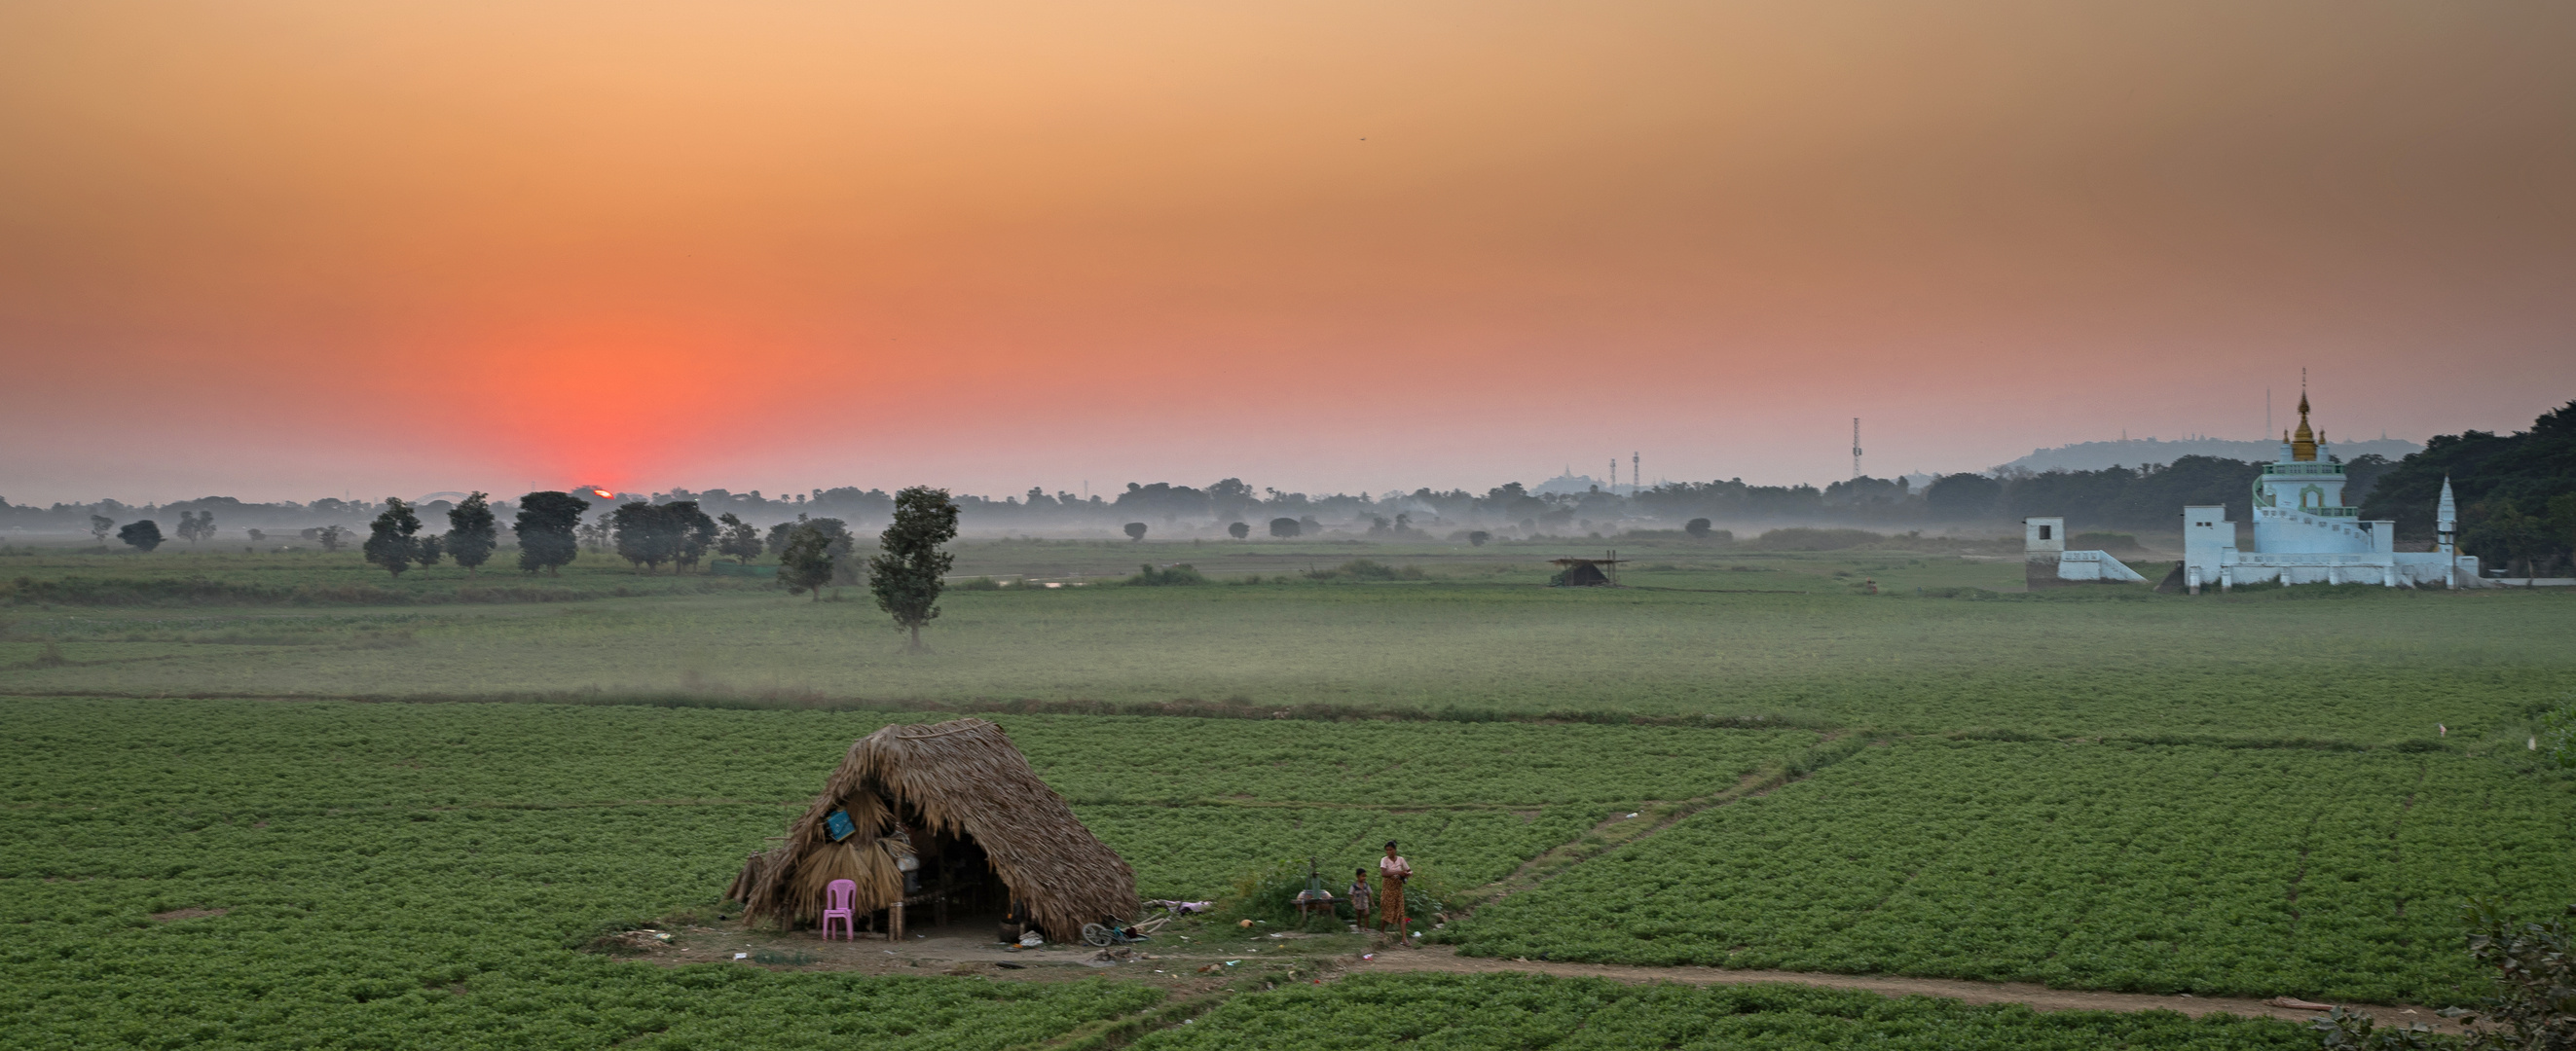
point(2303, 442)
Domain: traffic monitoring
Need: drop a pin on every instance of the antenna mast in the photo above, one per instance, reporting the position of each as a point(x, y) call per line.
point(1855, 447)
point(1636, 481)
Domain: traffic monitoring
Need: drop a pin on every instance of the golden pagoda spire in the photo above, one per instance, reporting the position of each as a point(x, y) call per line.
point(2303, 442)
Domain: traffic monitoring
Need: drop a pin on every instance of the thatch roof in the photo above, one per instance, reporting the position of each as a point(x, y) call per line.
point(962, 777)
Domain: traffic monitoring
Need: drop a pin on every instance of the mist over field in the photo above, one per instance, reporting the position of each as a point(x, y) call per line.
point(1015, 526)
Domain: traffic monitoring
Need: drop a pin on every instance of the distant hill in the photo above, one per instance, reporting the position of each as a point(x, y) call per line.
point(2094, 456)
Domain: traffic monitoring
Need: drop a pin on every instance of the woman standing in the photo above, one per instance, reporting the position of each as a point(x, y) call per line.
point(1392, 871)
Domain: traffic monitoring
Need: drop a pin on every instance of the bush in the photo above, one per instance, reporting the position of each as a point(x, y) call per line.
point(979, 584)
point(1148, 576)
point(1363, 569)
point(2556, 741)
point(2535, 974)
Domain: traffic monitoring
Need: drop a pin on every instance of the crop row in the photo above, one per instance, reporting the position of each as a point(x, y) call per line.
point(2160, 869)
point(213, 756)
point(1499, 1012)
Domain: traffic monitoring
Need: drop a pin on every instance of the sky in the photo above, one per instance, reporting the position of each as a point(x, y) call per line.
point(285, 250)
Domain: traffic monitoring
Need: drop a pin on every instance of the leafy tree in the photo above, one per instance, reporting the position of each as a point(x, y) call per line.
point(1285, 528)
point(692, 532)
point(257, 536)
point(2490, 471)
point(194, 527)
point(472, 534)
point(390, 545)
point(805, 561)
point(142, 536)
point(331, 537)
point(907, 571)
point(1238, 530)
point(426, 550)
point(1478, 538)
point(1963, 495)
point(99, 525)
point(644, 535)
point(2505, 535)
point(545, 526)
point(1697, 528)
point(1135, 530)
point(738, 538)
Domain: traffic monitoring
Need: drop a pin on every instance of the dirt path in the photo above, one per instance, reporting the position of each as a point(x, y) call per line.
point(2037, 997)
point(1190, 969)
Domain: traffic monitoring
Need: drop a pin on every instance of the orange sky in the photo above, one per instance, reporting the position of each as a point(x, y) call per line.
point(279, 250)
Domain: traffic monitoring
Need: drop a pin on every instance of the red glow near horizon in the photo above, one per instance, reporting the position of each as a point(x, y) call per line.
point(1324, 246)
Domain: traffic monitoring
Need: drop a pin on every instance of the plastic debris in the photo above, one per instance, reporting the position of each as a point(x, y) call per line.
point(742, 956)
point(1032, 939)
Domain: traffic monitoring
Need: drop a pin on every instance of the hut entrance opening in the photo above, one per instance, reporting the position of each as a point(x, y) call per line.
point(956, 881)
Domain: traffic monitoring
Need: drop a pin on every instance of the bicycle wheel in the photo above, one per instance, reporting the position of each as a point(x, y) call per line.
point(1095, 934)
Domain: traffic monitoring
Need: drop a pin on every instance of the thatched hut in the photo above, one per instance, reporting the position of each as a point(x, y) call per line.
point(961, 803)
point(1583, 572)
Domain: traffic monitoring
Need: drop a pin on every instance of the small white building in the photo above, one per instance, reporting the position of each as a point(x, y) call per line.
point(2304, 533)
point(2046, 563)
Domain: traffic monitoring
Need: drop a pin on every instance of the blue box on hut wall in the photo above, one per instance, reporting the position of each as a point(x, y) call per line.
point(839, 823)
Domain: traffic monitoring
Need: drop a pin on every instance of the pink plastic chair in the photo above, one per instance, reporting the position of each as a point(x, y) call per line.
point(840, 891)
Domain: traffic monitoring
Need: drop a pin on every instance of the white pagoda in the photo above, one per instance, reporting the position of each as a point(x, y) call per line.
point(2305, 534)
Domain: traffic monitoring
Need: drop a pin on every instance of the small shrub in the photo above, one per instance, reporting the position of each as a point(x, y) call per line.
point(2556, 741)
point(1183, 574)
point(979, 584)
point(1363, 569)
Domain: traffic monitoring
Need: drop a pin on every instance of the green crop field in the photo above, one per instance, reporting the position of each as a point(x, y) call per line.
point(2355, 663)
point(2227, 871)
point(2098, 788)
point(1500, 1012)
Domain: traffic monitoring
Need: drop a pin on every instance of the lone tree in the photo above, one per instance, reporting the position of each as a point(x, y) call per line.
point(644, 535)
point(738, 538)
point(194, 527)
point(1285, 528)
point(1697, 528)
point(545, 524)
point(390, 545)
point(98, 528)
point(1135, 530)
point(1238, 530)
point(692, 533)
point(805, 562)
point(142, 536)
point(906, 572)
point(331, 536)
point(471, 533)
point(1478, 538)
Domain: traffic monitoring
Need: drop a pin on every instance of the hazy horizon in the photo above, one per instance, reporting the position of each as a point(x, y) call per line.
point(294, 249)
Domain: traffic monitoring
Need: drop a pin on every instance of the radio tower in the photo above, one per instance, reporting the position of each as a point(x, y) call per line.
point(1636, 482)
point(1855, 447)
point(1614, 475)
